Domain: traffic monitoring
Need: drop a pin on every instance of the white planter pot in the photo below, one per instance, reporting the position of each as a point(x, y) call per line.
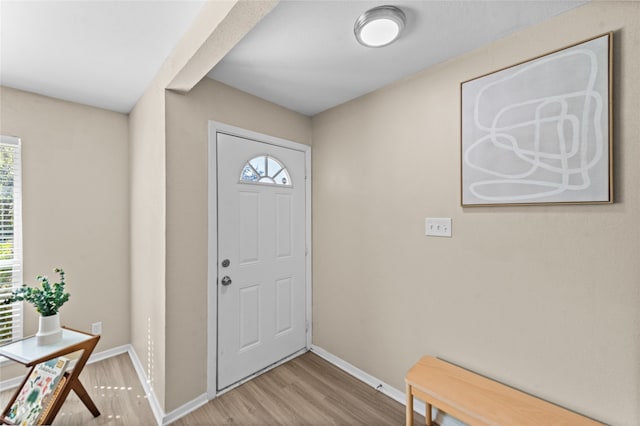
point(49, 331)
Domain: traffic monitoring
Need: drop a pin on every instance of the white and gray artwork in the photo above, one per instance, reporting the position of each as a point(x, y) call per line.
point(538, 132)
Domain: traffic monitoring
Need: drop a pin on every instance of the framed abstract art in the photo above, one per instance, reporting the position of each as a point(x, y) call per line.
point(539, 132)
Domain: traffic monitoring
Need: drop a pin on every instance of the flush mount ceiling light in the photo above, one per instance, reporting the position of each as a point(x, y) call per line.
point(379, 26)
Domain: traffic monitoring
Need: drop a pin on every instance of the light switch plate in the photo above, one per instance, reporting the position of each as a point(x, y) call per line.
point(438, 226)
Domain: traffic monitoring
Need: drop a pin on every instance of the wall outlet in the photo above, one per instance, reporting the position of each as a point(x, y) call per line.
point(96, 328)
point(438, 226)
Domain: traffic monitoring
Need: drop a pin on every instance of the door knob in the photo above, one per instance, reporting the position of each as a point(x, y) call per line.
point(225, 280)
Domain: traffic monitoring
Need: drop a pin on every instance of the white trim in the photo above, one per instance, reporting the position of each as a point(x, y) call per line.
point(10, 383)
point(212, 257)
point(10, 140)
point(440, 417)
point(101, 356)
point(185, 409)
point(18, 255)
point(5, 361)
point(307, 178)
point(212, 267)
point(368, 379)
point(156, 408)
point(161, 417)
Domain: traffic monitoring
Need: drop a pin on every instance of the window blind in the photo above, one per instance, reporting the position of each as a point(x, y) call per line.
point(10, 236)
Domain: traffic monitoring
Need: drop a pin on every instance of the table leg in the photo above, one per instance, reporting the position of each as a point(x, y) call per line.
point(84, 397)
point(73, 382)
point(427, 414)
point(409, 415)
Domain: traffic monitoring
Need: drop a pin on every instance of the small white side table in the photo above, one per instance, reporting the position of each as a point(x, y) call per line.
point(28, 353)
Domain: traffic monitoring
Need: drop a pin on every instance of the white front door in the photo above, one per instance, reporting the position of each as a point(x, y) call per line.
point(261, 256)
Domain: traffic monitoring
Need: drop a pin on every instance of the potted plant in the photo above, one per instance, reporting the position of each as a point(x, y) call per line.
point(47, 300)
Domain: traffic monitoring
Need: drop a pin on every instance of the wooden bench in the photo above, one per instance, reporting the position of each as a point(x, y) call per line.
point(477, 400)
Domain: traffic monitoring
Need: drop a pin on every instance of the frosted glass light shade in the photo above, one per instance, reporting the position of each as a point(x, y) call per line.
point(379, 26)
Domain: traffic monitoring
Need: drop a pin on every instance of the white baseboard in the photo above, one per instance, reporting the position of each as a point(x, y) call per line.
point(379, 385)
point(10, 383)
point(185, 409)
point(156, 408)
point(161, 417)
point(439, 417)
point(100, 356)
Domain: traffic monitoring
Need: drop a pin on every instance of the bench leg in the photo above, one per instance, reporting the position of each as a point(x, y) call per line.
point(427, 414)
point(409, 416)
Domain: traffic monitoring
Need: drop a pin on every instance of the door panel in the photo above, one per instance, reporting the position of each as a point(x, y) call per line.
point(283, 225)
point(261, 231)
point(249, 221)
point(284, 310)
point(249, 316)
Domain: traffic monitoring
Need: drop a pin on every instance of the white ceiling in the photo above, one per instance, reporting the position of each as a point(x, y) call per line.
point(99, 53)
point(302, 55)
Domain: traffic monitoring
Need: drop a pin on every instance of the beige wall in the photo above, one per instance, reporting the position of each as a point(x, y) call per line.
point(217, 28)
point(75, 207)
point(147, 237)
point(546, 299)
point(187, 169)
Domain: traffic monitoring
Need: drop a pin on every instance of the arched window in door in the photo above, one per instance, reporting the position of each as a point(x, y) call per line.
point(265, 169)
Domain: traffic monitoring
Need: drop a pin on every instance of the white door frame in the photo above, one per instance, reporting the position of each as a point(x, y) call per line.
point(212, 257)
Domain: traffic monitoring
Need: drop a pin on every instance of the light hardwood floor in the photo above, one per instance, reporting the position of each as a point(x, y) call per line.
point(304, 391)
point(114, 387)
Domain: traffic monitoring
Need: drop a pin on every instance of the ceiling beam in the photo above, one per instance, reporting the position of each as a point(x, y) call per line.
point(227, 23)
